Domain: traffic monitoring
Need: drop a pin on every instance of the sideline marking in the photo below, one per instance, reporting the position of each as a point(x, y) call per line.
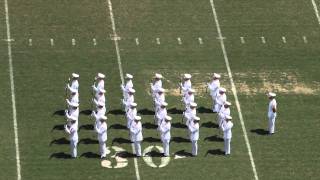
point(234, 91)
point(242, 40)
point(30, 42)
point(13, 96)
point(316, 11)
point(284, 40)
point(121, 72)
point(305, 40)
point(200, 40)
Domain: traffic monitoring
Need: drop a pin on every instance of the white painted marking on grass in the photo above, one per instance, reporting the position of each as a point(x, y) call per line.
point(51, 42)
point(121, 72)
point(305, 40)
point(263, 39)
point(284, 40)
point(200, 40)
point(30, 42)
point(316, 11)
point(137, 41)
point(73, 42)
point(179, 40)
point(158, 41)
point(242, 40)
point(234, 91)
point(94, 41)
point(13, 96)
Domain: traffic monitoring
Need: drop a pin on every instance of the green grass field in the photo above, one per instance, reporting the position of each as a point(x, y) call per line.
point(287, 62)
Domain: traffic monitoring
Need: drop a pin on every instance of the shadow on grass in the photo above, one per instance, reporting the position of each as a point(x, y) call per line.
point(88, 141)
point(117, 126)
point(210, 125)
point(214, 138)
point(179, 125)
point(174, 111)
point(117, 112)
point(180, 140)
point(60, 155)
point(146, 111)
point(86, 127)
point(151, 139)
point(59, 113)
point(149, 126)
point(183, 153)
point(125, 154)
point(121, 141)
point(261, 132)
point(58, 127)
point(203, 110)
point(86, 112)
point(60, 141)
point(154, 154)
point(90, 155)
point(216, 152)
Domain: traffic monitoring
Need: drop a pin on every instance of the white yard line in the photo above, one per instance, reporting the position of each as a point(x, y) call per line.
point(234, 91)
point(121, 71)
point(13, 97)
point(316, 11)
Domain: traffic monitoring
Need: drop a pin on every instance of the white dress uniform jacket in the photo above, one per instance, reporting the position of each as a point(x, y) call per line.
point(227, 135)
point(100, 85)
point(127, 102)
point(73, 132)
point(194, 131)
point(155, 86)
point(164, 129)
point(190, 114)
point(161, 115)
point(101, 129)
point(219, 101)
point(131, 114)
point(186, 85)
point(222, 115)
point(74, 85)
point(98, 113)
point(99, 99)
point(272, 115)
point(214, 88)
point(73, 99)
point(136, 131)
point(72, 113)
point(126, 87)
point(187, 99)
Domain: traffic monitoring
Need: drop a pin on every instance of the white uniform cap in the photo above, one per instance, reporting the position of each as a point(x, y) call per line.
point(101, 104)
point(192, 90)
point(228, 117)
point(74, 104)
point(222, 90)
point(132, 90)
point(215, 75)
point(169, 118)
point(227, 103)
point(133, 104)
point(161, 90)
point(159, 76)
point(103, 117)
point(102, 90)
point(193, 104)
point(271, 94)
point(100, 75)
point(187, 76)
point(74, 75)
point(129, 76)
point(137, 118)
point(197, 118)
point(164, 104)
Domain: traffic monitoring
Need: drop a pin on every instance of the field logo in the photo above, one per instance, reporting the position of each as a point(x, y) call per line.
point(121, 162)
point(148, 159)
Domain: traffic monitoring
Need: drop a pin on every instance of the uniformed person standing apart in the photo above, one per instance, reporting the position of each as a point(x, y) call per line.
point(73, 82)
point(101, 128)
point(214, 86)
point(136, 135)
point(164, 129)
point(193, 128)
point(227, 134)
point(99, 82)
point(272, 112)
point(72, 129)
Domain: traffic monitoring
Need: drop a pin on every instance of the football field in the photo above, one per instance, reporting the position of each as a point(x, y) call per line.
point(257, 46)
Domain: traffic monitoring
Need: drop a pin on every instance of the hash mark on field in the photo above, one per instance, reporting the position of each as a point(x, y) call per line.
point(30, 42)
point(316, 11)
point(263, 40)
point(242, 40)
point(179, 40)
point(137, 41)
point(94, 41)
point(158, 40)
point(73, 42)
point(200, 40)
point(284, 40)
point(51, 42)
point(305, 40)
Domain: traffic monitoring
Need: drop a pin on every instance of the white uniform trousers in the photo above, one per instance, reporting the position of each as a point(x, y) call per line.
point(166, 146)
point(194, 148)
point(272, 121)
point(137, 147)
point(227, 147)
point(73, 145)
point(103, 148)
point(217, 107)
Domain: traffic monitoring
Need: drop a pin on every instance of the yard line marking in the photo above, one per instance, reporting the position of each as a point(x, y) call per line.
point(284, 40)
point(263, 40)
point(73, 42)
point(200, 40)
point(158, 40)
point(94, 41)
point(121, 73)
point(179, 40)
point(316, 11)
point(51, 42)
point(242, 40)
point(234, 91)
point(30, 42)
point(305, 40)
point(13, 96)
point(137, 41)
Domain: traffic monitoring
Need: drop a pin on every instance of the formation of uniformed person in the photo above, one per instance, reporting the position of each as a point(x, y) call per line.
point(129, 99)
point(156, 84)
point(131, 114)
point(224, 111)
point(101, 128)
point(193, 128)
point(99, 82)
point(164, 129)
point(127, 86)
point(72, 129)
point(227, 134)
point(190, 112)
point(214, 86)
point(161, 113)
point(136, 135)
point(186, 83)
point(73, 82)
point(221, 98)
point(272, 112)
point(188, 97)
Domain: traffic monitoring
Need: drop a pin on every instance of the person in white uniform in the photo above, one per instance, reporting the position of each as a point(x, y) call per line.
point(100, 97)
point(131, 114)
point(98, 83)
point(130, 99)
point(74, 97)
point(73, 82)
point(272, 112)
point(164, 129)
point(220, 100)
point(72, 129)
point(193, 128)
point(99, 112)
point(224, 111)
point(161, 113)
point(101, 128)
point(136, 135)
point(127, 86)
point(72, 111)
point(186, 83)
point(156, 84)
point(159, 98)
point(190, 113)
point(214, 86)
point(188, 98)
point(227, 134)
